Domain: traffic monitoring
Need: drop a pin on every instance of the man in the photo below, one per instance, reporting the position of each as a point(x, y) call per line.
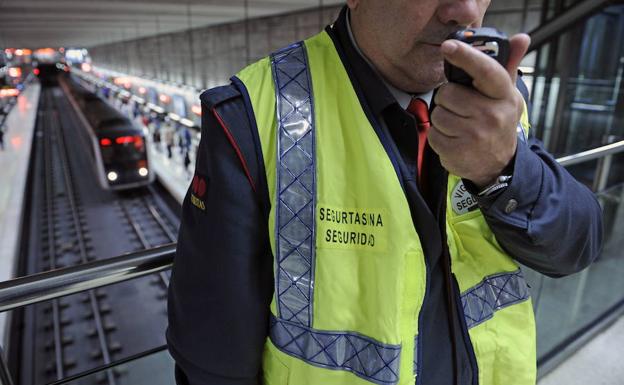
point(335, 233)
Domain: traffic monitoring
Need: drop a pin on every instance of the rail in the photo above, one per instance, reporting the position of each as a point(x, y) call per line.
point(593, 154)
point(57, 283)
point(569, 17)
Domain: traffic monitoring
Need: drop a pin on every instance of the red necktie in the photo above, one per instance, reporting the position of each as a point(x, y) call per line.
point(420, 110)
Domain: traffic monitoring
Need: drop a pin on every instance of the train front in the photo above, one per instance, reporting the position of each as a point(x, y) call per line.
point(124, 157)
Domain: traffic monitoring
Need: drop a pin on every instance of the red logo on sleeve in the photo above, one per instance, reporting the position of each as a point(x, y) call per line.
point(198, 189)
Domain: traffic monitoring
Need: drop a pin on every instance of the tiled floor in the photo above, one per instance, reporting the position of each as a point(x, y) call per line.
point(597, 363)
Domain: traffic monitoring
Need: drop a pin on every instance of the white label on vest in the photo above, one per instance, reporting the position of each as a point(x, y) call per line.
point(345, 228)
point(462, 201)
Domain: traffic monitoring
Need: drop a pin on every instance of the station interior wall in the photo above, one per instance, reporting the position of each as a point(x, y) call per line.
point(206, 57)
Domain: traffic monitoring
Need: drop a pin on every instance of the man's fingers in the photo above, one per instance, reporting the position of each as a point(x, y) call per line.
point(519, 45)
point(446, 122)
point(439, 142)
point(458, 99)
point(489, 77)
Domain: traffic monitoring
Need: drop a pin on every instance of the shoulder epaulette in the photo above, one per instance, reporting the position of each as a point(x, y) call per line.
point(217, 95)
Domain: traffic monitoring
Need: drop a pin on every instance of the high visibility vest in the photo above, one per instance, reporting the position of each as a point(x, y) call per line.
point(350, 273)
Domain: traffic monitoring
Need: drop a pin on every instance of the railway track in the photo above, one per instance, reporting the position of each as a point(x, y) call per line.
point(74, 222)
point(150, 228)
point(67, 244)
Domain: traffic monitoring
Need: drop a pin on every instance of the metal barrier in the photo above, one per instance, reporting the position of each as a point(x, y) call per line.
point(48, 285)
point(563, 21)
point(604, 155)
point(593, 154)
point(57, 283)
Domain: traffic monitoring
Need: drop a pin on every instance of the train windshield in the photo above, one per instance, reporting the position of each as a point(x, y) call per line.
point(122, 149)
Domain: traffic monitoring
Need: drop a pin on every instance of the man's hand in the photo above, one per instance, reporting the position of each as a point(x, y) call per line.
point(474, 130)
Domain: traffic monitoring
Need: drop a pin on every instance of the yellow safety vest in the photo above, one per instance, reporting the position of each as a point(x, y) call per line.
point(350, 272)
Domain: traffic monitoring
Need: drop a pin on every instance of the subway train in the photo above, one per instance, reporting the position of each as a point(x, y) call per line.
point(118, 147)
point(179, 102)
point(47, 63)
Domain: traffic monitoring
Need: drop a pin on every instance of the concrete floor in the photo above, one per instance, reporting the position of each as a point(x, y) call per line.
point(597, 363)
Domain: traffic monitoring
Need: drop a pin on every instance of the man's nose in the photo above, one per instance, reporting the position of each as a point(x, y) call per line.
point(461, 12)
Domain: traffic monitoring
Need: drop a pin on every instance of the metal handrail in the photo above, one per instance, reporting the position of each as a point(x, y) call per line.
point(593, 154)
point(569, 17)
point(57, 283)
point(48, 285)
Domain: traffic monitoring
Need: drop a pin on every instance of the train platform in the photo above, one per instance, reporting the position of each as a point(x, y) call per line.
point(14, 159)
point(170, 172)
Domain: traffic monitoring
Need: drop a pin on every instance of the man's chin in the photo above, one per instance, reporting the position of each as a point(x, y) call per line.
point(427, 76)
point(422, 85)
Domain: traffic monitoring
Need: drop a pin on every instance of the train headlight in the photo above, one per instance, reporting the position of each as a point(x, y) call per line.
point(143, 171)
point(112, 176)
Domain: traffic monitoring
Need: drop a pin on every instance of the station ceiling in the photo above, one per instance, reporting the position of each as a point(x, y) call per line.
point(85, 23)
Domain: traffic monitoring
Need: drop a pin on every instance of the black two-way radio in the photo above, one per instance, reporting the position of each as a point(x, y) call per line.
point(490, 41)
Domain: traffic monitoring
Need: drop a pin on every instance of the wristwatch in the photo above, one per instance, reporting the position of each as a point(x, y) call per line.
point(500, 183)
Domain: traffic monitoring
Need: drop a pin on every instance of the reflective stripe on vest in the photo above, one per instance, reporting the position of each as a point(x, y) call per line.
point(494, 293)
point(295, 236)
point(295, 233)
point(483, 300)
point(371, 360)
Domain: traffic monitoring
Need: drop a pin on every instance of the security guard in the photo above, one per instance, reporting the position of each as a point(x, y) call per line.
point(348, 225)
